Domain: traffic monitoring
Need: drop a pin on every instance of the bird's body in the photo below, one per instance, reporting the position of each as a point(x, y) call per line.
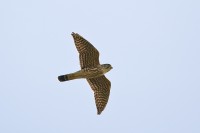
point(92, 71)
point(86, 73)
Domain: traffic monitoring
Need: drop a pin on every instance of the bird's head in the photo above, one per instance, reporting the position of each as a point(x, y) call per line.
point(106, 67)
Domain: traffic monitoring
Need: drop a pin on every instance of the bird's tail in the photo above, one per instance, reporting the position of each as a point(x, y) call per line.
point(63, 78)
point(71, 76)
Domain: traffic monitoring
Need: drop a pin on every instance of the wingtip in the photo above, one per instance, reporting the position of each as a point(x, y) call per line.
point(99, 112)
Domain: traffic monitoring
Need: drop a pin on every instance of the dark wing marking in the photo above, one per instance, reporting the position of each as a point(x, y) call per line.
point(101, 87)
point(88, 54)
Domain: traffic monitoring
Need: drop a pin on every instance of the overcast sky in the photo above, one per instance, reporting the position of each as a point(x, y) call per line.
point(153, 46)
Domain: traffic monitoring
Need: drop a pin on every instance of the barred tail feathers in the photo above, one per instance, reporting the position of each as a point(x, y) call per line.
point(71, 76)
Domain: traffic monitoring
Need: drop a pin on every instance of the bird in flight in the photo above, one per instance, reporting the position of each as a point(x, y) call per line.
point(92, 71)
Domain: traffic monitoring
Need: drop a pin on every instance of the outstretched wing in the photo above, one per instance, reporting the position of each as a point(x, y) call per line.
point(101, 87)
point(88, 54)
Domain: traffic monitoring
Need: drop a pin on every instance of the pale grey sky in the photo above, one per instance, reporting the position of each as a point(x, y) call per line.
point(153, 46)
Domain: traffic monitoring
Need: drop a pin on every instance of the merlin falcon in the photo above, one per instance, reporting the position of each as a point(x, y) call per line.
point(92, 71)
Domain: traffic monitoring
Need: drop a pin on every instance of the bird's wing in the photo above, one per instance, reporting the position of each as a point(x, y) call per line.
point(88, 54)
point(101, 87)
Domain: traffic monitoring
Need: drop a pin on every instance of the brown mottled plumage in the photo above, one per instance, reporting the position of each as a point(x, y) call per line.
point(92, 71)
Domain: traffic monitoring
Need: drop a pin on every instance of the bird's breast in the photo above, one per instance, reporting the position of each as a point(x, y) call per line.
point(92, 72)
